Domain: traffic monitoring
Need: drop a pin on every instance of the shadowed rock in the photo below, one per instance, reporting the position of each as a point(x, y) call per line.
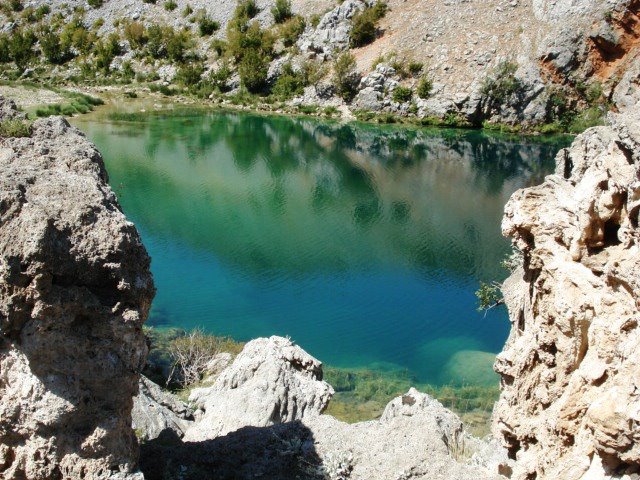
point(75, 288)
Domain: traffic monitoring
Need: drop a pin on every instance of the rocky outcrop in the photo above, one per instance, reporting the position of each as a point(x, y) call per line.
point(271, 381)
point(155, 410)
point(262, 418)
point(570, 403)
point(75, 288)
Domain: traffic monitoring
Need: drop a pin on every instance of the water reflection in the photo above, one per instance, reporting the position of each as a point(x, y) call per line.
point(364, 243)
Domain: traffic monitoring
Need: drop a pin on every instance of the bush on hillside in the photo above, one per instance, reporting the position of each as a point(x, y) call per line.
point(21, 43)
point(253, 70)
point(106, 50)
point(364, 24)
point(53, 49)
point(401, 94)
point(170, 5)
point(14, 128)
point(281, 11)
point(190, 74)
point(501, 85)
point(345, 76)
point(135, 34)
point(289, 84)
point(291, 30)
point(425, 87)
point(207, 26)
point(95, 3)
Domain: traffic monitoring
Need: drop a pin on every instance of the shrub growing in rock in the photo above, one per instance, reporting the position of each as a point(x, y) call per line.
point(53, 49)
point(207, 26)
point(15, 128)
point(253, 70)
point(190, 74)
point(136, 34)
point(291, 30)
point(501, 84)
point(21, 44)
point(281, 11)
point(364, 24)
point(170, 6)
point(401, 94)
point(345, 76)
point(425, 87)
point(289, 84)
point(192, 353)
point(95, 3)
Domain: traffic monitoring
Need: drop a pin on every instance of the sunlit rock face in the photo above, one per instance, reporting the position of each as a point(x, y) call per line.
point(570, 403)
point(75, 289)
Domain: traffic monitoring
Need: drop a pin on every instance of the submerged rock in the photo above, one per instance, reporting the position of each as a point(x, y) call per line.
point(75, 288)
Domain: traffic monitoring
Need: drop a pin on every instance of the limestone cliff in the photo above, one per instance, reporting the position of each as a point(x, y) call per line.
point(570, 403)
point(75, 288)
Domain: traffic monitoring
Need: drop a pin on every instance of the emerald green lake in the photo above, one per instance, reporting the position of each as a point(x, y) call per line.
point(364, 244)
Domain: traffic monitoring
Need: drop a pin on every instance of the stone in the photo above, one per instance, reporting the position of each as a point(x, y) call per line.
point(271, 381)
point(569, 406)
point(155, 411)
point(75, 289)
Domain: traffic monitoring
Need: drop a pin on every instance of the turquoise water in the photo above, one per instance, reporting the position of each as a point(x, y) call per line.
point(363, 244)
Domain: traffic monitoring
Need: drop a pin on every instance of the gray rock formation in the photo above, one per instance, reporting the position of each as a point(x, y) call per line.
point(570, 405)
point(155, 411)
point(271, 381)
point(262, 418)
point(75, 288)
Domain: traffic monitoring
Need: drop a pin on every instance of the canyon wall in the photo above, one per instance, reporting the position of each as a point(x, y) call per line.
point(570, 403)
point(75, 288)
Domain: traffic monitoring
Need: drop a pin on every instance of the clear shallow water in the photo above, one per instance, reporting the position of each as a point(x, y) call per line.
point(364, 244)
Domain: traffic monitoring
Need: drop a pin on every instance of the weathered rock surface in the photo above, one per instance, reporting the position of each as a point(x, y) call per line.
point(570, 403)
point(271, 381)
point(262, 418)
point(155, 411)
point(75, 288)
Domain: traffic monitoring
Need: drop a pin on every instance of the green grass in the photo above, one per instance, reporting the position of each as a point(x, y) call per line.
point(76, 103)
point(15, 128)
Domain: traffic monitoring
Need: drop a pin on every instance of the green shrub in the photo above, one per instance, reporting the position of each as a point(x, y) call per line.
point(594, 94)
point(78, 36)
point(21, 44)
point(501, 85)
point(345, 77)
point(207, 25)
point(315, 19)
point(291, 30)
point(190, 74)
point(415, 68)
point(135, 34)
point(218, 78)
point(170, 5)
point(16, 5)
point(188, 10)
point(253, 70)
point(250, 38)
point(245, 11)
point(281, 11)
point(330, 111)
point(165, 41)
point(364, 24)
point(95, 3)
point(14, 128)
point(219, 46)
point(41, 11)
point(289, 83)
point(425, 87)
point(5, 51)
point(401, 94)
point(106, 50)
point(53, 49)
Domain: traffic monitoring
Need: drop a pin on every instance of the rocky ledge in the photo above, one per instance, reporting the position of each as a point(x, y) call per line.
point(75, 288)
point(570, 404)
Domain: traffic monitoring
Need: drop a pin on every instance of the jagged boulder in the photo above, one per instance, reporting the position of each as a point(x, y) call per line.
point(570, 406)
point(75, 288)
point(271, 381)
point(155, 410)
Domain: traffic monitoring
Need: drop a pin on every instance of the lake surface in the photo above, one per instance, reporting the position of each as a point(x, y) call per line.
point(364, 244)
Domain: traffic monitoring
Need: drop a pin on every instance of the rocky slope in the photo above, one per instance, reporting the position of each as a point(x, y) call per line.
point(263, 417)
point(559, 50)
point(75, 288)
point(570, 405)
